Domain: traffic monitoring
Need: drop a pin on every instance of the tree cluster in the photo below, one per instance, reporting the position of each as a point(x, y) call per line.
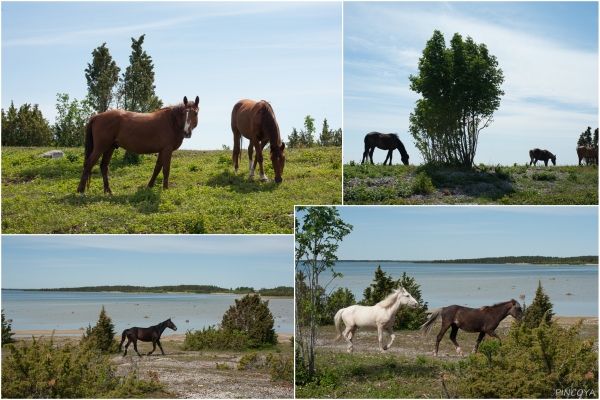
point(518, 259)
point(460, 86)
point(305, 139)
point(586, 139)
point(7, 334)
point(25, 126)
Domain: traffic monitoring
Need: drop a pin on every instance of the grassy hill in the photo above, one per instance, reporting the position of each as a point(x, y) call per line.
point(425, 184)
point(204, 196)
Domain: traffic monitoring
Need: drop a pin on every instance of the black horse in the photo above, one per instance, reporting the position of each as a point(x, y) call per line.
point(537, 154)
point(384, 141)
point(483, 320)
point(151, 334)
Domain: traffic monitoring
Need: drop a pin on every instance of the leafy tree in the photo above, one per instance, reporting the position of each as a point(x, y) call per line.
point(461, 90)
point(407, 318)
point(251, 315)
point(540, 309)
point(7, 335)
point(337, 300)
point(25, 127)
point(336, 139)
point(306, 135)
point(317, 241)
point(102, 76)
point(71, 121)
point(102, 335)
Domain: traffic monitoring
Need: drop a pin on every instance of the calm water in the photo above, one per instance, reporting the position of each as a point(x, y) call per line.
point(69, 310)
point(475, 285)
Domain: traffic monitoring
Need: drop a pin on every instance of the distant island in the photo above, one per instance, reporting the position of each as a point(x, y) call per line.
point(519, 260)
point(540, 260)
point(287, 291)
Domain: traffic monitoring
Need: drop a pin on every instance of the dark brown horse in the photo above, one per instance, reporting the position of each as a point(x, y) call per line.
point(537, 154)
point(151, 334)
point(587, 153)
point(384, 141)
point(159, 132)
point(256, 122)
point(483, 320)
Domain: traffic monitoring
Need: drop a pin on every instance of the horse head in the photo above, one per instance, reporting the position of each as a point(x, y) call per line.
point(405, 298)
point(190, 116)
point(271, 128)
point(171, 325)
point(515, 311)
point(553, 158)
point(278, 161)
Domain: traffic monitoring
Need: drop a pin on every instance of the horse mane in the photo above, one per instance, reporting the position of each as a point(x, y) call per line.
point(391, 299)
point(502, 303)
point(270, 126)
point(401, 147)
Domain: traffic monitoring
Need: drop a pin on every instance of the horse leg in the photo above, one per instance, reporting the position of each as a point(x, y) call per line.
point(365, 156)
point(453, 338)
point(251, 165)
point(348, 334)
point(87, 169)
point(371, 154)
point(153, 347)
point(382, 347)
point(159, 345)
point(236, 149)
point(390, 332)
point(439, 337)
point(259, 159)
point(546, 163)
point(135, 347)
point(389, 156)
point(104, 167)
point(479, 339)
point(157, 169)
point(166, 162)
point(126, 346)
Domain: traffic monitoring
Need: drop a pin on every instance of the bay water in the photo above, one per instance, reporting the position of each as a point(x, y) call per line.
point(573, 290)
point(74, 310)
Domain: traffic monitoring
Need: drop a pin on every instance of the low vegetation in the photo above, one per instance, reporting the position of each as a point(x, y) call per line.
point(205, 195)
point(518, 259)
point(482, 184)
point(198, 289)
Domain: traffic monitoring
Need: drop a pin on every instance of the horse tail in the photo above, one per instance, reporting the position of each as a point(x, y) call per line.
point(89, 145)
point(426, 327)
point(338, 324)
point(123, 336)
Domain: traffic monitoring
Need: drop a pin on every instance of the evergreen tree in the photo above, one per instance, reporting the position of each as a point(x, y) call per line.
point(306, 135)
point(293, 139)
point(251, 315)
point(6, 331)
point(136, 90)
point(25, 127)
point(336, 139)
point(407, 318)
point(326, 136)
point(102, 76)
point(539, 310)
point(585, 139)
point(71, 121)
point(337, 300)
point(102, 335)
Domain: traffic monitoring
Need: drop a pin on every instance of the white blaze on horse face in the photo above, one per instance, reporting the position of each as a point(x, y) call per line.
point(186, 127)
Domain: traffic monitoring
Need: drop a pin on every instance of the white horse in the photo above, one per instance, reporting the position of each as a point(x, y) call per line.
point(381, 317)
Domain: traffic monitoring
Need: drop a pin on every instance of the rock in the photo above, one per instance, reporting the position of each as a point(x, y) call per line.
point(53, 154)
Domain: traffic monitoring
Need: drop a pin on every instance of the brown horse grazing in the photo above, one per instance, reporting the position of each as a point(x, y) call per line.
point(256, 122)
point(537, 154)
point(151, 334)
point(587, 152)
point(159, 132)
point(483, 320)
point(384, 141)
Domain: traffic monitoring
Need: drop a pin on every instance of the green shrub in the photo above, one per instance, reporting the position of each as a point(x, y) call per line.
point(6, 331)
point(422, 184)
point(215, 339)
point(45, 370)
point(539, 310)
point(251, 361)
point(543, 176)
point(546, 362)
point(281, 367)
point(251, 315)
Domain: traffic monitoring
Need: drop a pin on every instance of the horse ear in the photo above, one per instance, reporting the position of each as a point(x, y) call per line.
point(282, 147)
point(184, 100)
point(197, 101)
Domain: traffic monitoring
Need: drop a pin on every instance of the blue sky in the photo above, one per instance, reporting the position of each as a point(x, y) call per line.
point(548, 52)
point(71, 261)
point(288, 53)
point(451, 232)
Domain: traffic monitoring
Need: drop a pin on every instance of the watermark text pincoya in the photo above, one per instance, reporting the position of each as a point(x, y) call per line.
point(578, 393)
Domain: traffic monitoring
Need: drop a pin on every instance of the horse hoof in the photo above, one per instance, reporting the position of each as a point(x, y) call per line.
point(265, 179)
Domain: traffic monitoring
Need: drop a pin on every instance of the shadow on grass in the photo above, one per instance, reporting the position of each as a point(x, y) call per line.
point(241, 182)
point(145, 200)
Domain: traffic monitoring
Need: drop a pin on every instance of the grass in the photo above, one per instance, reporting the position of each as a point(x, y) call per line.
point(482, 184)
point(204, 196)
